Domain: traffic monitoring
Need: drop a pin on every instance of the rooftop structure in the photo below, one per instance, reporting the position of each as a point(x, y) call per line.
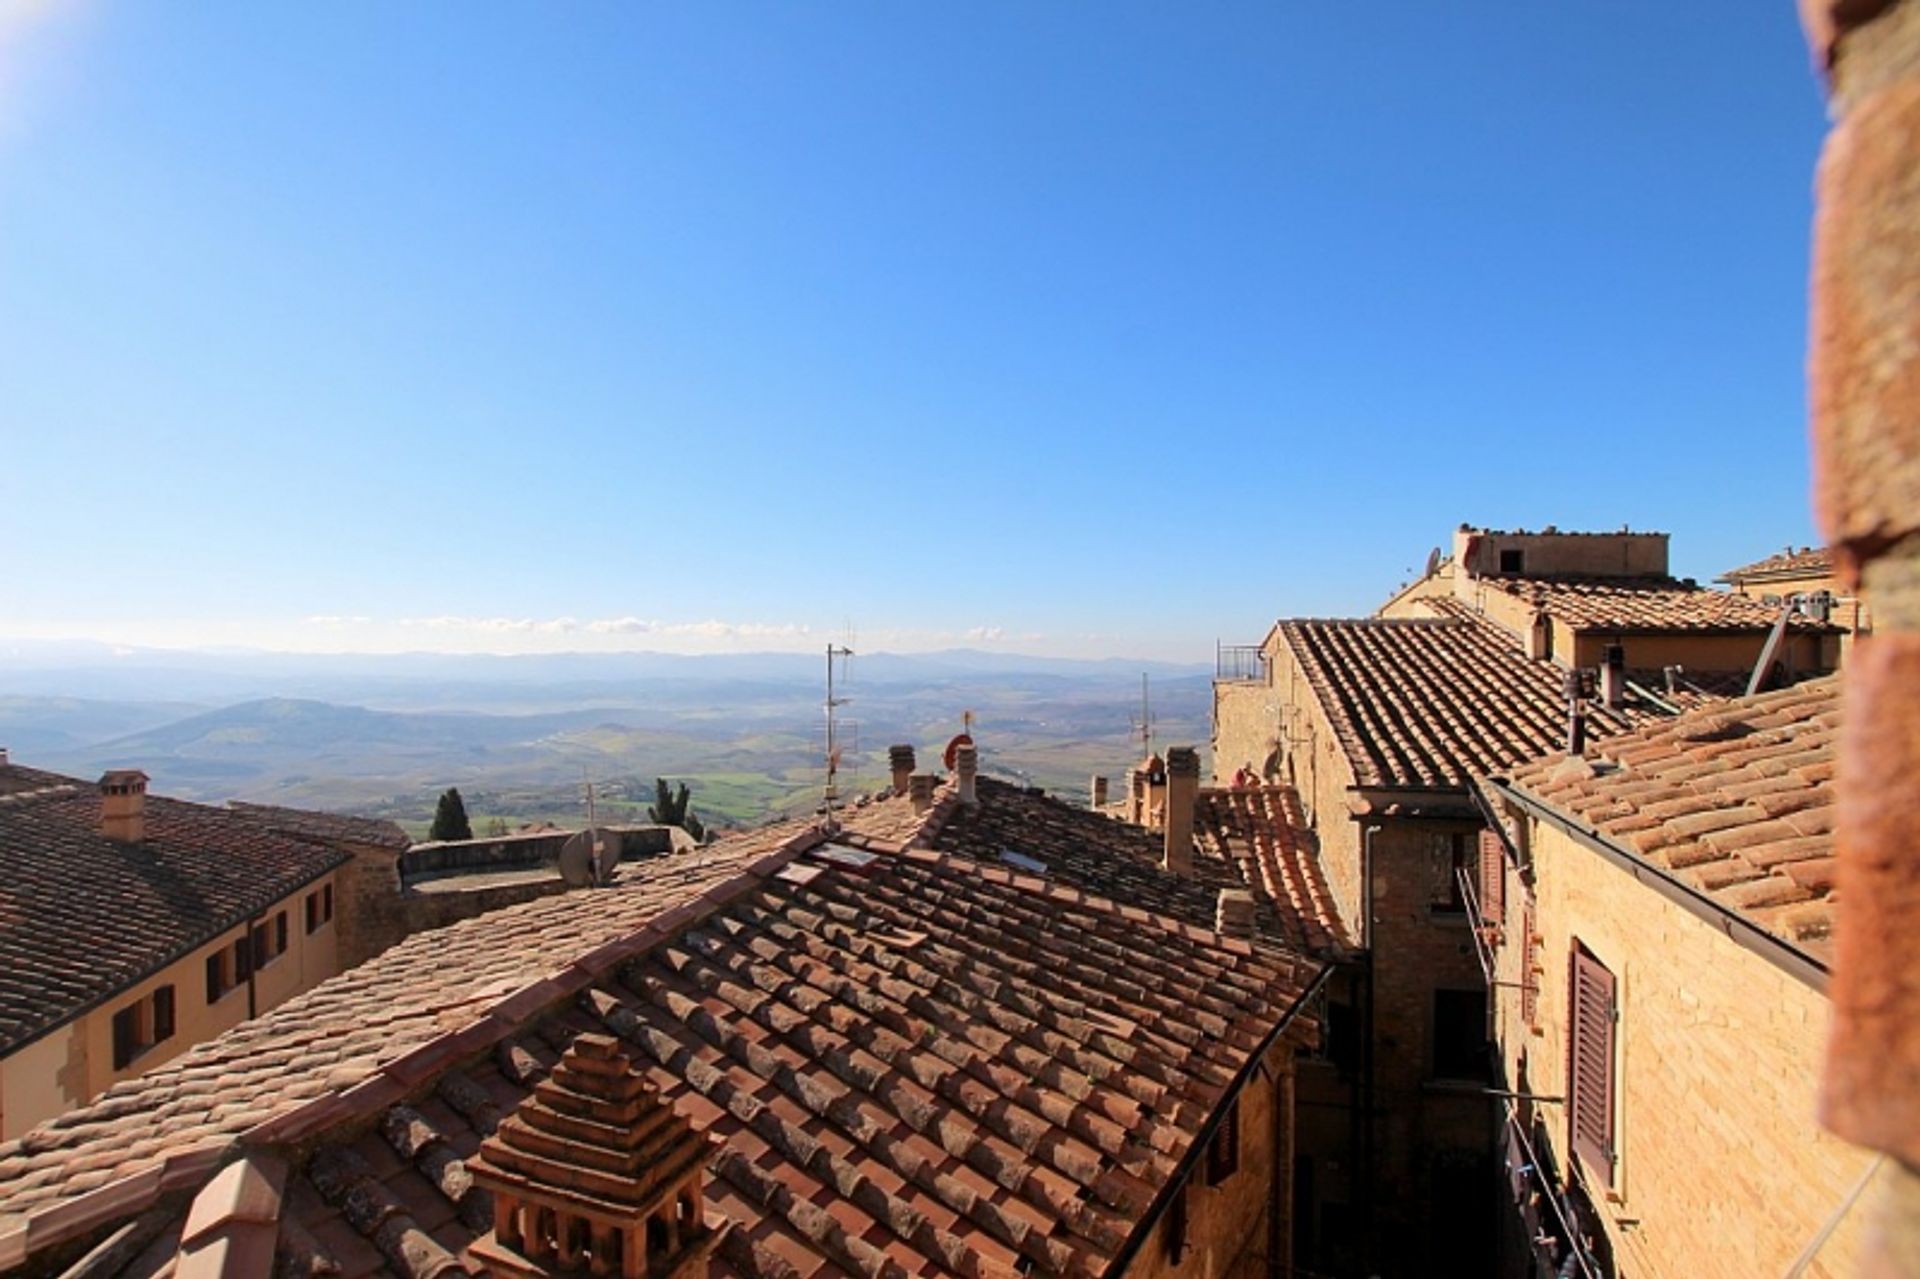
point(1735, 801)
point(88, 908)
point(901, 1060)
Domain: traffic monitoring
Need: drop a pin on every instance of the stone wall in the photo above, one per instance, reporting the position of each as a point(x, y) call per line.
point(1722, 1168)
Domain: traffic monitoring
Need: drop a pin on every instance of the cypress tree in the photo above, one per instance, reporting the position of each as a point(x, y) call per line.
point(450, 818)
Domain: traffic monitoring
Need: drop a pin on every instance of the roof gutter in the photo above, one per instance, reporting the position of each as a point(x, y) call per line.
point(1740, 930)
point(1183, 1171)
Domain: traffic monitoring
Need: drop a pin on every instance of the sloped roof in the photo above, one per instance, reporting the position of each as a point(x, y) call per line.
point(83, 917)
point(1642, 607)
point(1805, 562)
point(901, 1054)
point(1426, 704)
point(371, 831)
point(1262, 831)
point(1736, 801)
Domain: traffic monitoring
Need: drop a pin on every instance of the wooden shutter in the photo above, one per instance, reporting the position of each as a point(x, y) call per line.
point(163, 1014)
point(1493, 878)
point(216, 982)
point(1223, 1153)
point(1590, 1064)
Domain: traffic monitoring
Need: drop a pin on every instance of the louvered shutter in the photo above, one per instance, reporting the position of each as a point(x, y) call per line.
point(1493, 878)
point(1590, 1066)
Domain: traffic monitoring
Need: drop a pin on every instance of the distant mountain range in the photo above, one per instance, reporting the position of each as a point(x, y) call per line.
point(520, 735)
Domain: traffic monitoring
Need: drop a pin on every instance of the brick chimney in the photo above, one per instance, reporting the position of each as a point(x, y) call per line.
point(1097, 793)
point(920, 788)
point(900, 758)
point(1613, 676)
point(1137, 795)
point(1234, 913)
point(123, 805)
point(966, 766)
point(1183, 788)
point(1576, 712)
point(1540, 637)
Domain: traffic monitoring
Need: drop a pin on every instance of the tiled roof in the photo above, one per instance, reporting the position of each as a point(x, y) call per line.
point(910, 1063)
point(1122, 861)
point(1641, 607)
point(1263, 832)
point(1806, 561)
point(83, 916)
point(1736, 801)
point(1429, 704)
point(331, 826)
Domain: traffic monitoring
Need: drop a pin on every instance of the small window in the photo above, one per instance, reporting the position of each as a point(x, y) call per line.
point(1223, 1152)
point(142, 1024)
point(1513, 561)
point(243, 958)
point(1450, 857)
point(1590, 1047)
point(280, 934)
point(313, 912)
point(216, 976)
point(1176, 1236)
point(1460, 1034)
point(326, 903)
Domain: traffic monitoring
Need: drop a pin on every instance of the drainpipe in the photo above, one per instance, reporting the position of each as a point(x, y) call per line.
point(1369, 1191)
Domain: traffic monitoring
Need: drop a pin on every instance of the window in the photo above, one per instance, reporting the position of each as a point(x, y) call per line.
point(1590, 1047)
point(1223, 1152)
point(142, 1024)
point(1176, 1236)
point(1513, 561)
point(243, 959)
point(280, 933)
point(270, 941)
point(1460, 1034)
point(319, 907)
point(1449, 851)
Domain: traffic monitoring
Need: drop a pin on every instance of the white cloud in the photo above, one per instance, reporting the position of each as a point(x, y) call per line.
point(336, 621)
point(622, 626)
point(986, 634)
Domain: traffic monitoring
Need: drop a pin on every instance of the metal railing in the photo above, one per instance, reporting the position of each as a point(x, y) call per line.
point(1239, 663)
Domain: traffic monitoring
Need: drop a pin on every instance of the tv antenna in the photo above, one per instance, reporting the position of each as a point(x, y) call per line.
point(841, 653)
point(1144, 725)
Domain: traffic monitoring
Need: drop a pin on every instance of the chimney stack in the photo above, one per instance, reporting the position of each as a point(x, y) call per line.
point(901, 760)
point(1183, 788)
point(4, 761)
point(1613, 676)
point(1576, 712)
point(1097, 795)
point(1234, 913)
point(1137, 795)
point(920, 788)
point(123, 805)
point(966, 766)
point(1540, 637)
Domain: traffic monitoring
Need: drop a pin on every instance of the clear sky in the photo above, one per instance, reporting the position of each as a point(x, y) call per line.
point(1105, 329)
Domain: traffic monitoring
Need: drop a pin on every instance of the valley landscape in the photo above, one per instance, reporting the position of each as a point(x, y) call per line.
point(522, 736)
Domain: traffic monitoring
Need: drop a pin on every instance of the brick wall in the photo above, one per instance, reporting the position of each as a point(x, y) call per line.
point(1722, 1168)
point(1864, 383)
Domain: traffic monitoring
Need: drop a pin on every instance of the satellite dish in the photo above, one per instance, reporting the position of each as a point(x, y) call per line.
point(1433, 561)
point(952, 753)
point(588, 858)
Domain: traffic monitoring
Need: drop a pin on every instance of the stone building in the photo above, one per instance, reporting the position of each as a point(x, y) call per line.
point(1656, 920)
point(133, 927)
point(905, 1046)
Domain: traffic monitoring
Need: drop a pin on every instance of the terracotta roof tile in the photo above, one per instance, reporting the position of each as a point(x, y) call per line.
point(929, 1060)
point(1806, 561)
point(83, 917)
point(1738, 800)
point(1658, 605)
point(371, 831)
point(1423, 703)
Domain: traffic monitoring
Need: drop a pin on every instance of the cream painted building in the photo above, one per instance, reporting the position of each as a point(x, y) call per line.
point(132, 927)
point(1655, 920)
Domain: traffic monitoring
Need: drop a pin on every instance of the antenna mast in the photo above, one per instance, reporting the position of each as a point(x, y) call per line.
point(842, 652)
point(1146, 720)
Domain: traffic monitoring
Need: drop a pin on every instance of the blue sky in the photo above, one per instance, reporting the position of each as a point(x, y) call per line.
point(1064, 328)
